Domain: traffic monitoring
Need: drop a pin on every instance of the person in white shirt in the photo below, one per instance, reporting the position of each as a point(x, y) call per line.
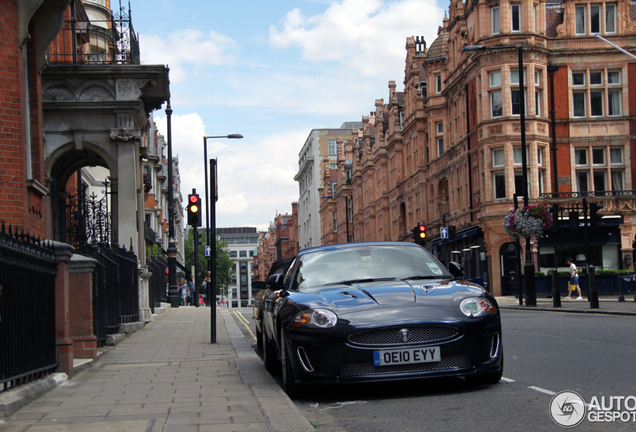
point(574, 280)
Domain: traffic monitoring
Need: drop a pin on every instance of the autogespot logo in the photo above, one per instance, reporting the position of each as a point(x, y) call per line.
point(567, 409)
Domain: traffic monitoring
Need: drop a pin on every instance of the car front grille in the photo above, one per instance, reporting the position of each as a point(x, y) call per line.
point(365, 369)
point(391, 336)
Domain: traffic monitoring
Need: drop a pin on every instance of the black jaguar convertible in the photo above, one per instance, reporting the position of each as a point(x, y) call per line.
point(381, 311)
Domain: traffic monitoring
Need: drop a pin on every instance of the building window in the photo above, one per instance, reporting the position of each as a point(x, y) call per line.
point(496, 107)
point(598, 156)
point(616, 156)
point(424, 89)
point(333, 166)
point(534, 16)
point(232, 254)
point(617, 181)
point(578, 102)
point(540, 156)
point(580, 157)
point(599, 181)
point(610, 18)
point(581, 181)
point(499, 182)
point(614, 97)
point(580, 21)
point(596, 104)
point(333, 147)
point(439, 130)
point(595, 19)
point(242, 254)
point(335, 222)
point(498, 158)
point(494, 20)
point(438, 84)
point(515, 11)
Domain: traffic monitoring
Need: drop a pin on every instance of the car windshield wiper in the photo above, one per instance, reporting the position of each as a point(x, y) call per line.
point(428, 277)
point(352, 281)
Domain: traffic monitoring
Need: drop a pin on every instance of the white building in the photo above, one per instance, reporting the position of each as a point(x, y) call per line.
point(242, 242)
point(320, 143)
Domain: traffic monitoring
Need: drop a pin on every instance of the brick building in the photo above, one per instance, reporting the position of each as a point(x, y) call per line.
point(278, 242)
point(447, 149)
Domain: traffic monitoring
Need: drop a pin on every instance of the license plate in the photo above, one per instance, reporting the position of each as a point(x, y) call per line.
point(406, 356)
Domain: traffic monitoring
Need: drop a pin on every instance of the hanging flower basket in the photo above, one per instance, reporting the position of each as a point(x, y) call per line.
point(531, 221)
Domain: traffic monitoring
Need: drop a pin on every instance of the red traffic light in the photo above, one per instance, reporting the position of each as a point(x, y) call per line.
point(422, 229)
point(194, 199)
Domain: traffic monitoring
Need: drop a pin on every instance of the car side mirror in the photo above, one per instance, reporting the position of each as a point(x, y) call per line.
point(275, 282)
point(456, 269)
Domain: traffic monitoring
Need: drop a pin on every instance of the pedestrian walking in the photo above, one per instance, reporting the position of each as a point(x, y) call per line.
point(574, 280)
point(192, 293)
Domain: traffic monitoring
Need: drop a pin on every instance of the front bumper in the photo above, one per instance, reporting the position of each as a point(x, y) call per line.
point(329, 356)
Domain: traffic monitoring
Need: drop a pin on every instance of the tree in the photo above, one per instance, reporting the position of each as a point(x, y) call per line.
point(224, 264)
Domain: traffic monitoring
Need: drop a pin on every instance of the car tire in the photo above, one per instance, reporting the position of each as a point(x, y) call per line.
point(488, 378)
point(269, 355)
point(287, 368)
point(259, 334)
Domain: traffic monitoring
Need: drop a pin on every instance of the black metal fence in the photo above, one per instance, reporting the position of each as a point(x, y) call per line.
point(115, 288)
point(157, 290)
point(27, 309)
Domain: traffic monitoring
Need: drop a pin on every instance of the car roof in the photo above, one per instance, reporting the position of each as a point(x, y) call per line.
point(344, 246)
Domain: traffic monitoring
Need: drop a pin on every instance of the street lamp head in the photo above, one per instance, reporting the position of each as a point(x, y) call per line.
point(231, 136)
point(473, 48)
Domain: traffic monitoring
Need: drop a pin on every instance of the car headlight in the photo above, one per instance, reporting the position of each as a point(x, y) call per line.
point(314, 318)
point(477, 307)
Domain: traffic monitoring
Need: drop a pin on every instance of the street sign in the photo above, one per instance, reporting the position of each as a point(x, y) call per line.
point(443, 233)
point(208, 251)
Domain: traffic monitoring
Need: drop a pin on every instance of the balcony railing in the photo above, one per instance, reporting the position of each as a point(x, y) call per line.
point(590, 194)
point(111, 41)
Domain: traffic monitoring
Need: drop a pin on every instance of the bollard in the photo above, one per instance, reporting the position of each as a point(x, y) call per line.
point(592, 293)
point(556, 291)
point(620, 289)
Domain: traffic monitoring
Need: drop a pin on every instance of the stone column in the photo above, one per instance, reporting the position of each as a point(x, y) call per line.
point(145, 313)
point(63, 341)
point(81, 306)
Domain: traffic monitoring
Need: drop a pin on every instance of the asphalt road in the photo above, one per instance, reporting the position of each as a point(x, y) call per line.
point(546, 353)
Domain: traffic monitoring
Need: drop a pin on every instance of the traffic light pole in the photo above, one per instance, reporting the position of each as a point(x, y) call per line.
point(212, 285)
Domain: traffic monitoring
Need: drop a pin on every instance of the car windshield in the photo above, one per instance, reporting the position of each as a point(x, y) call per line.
point(367, 264)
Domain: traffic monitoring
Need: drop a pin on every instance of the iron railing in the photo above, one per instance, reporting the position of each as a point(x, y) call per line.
point(158, 283)
point(590, 194)
point(115, 288)
point(27, 309)
point(111, 41)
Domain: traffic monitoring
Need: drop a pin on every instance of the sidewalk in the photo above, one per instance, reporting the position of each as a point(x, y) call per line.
point(608, 305)
point(168, 377)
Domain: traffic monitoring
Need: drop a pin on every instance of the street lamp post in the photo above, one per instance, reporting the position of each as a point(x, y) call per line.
point(173, 290)
point(211, 286)
point(531, 299)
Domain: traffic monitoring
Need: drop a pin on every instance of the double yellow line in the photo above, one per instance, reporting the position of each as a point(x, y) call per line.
point(245, 322)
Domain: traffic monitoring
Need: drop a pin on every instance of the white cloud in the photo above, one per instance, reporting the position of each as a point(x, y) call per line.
point(186, 48)
point(256, 178)
point(365, 34)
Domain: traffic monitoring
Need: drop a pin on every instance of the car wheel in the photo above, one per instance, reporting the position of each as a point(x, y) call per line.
point(259, 334)
point(487, 378)
point(269, 354)
point(289, 386)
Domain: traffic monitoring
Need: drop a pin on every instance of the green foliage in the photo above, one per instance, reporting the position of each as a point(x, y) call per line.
point(155, 251)
point(602, 272)
point(224, 269)
point(539, 274)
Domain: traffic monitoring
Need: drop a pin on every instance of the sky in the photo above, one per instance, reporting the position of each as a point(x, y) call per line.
point(271, 70)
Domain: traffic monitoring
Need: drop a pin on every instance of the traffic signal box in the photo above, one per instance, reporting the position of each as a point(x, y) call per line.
point(194, 210)
point(420, 233)
point(452, 232)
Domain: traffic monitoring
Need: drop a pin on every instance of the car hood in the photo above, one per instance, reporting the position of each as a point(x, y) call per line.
point(393, 294)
